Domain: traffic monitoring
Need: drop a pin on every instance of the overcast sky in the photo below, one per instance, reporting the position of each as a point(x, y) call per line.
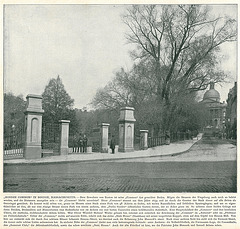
point(83, 44)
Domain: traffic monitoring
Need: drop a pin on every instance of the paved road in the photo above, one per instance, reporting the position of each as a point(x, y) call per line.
point(204, 174)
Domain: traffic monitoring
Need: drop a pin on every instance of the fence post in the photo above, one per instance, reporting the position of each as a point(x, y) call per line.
point(63, 148)
point(143, 139)
point(33, 125)
point(126, 129)
point(104, 138)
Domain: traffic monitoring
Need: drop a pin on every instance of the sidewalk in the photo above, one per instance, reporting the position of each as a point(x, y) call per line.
point(159, 151)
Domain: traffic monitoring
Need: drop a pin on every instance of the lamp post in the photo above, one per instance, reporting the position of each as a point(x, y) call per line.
point(12, 141)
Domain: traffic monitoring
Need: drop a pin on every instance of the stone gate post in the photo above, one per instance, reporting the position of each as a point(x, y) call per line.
point(64, 137)
point(33, 125)
point(104, 138)
point(126, 129)
point(144, 139)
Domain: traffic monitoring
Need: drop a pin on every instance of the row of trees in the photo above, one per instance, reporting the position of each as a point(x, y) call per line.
point(57, 105)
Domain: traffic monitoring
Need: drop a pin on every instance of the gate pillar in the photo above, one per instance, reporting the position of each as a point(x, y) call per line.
point(104, 138)
point(33, 126)
point(144, 139)
point(64, 137)
point(126, 129)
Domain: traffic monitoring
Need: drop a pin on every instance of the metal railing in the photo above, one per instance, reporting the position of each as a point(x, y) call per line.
point(181, 136)
point(156, 141)
point(14, 143)
point(51, 136)
point(174, 137)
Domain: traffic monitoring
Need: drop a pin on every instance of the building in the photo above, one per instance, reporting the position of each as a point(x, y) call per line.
point(215, 111)
point(231, 113)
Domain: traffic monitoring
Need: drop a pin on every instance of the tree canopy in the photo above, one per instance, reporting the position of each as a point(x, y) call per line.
point(14, 107)
point(58, 104)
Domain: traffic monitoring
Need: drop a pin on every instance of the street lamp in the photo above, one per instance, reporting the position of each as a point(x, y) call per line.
point(12, 140)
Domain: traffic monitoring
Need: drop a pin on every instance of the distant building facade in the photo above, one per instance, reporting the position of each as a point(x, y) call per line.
point(231, 115)
point(215, 111)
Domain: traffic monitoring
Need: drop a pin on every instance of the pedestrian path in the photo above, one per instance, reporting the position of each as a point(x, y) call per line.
point(159, 151)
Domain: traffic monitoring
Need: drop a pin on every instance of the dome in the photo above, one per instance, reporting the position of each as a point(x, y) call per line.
point(212, 94)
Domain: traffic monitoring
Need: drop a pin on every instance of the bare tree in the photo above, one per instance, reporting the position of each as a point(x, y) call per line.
point(183, 39)
point(176, 55)
point(126, 89)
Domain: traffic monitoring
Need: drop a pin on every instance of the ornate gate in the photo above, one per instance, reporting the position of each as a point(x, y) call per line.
point(95, 139)
point(51, 136)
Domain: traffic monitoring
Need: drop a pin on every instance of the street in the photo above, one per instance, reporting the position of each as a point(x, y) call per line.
point(209, 166)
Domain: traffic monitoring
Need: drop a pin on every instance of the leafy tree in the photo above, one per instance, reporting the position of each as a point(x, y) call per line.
point(14, 107)
point(150, 113)
point(185, 113)
point(92, 119)
point(57, 104)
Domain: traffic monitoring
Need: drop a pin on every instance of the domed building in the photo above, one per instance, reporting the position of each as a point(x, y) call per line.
point(211, 95)
point(216, 111)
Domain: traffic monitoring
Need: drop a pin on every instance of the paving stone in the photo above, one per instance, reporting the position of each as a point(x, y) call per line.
point(134, 176)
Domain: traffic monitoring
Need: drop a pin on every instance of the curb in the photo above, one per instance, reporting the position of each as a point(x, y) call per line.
point(103, 159)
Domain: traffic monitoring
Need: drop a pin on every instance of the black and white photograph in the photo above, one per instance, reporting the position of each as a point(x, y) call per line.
point(124, 98)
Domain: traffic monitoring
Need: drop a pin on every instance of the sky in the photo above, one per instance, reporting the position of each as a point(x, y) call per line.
point(83, 44)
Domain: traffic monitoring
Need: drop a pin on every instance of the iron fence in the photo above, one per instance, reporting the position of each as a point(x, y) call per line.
point(174, 137)
point(95, 146)
point(181, 136)
point(14, 143)
point(156, 141)
point(51, 136)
